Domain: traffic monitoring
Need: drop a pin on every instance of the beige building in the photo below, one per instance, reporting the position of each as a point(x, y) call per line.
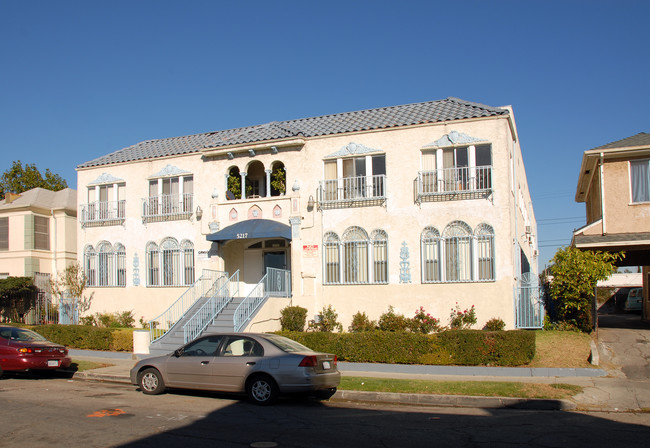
point(614, 184)
point(416, 205)
point(38, 232)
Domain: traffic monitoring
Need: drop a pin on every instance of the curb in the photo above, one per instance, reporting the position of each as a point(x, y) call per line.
point(455, 401)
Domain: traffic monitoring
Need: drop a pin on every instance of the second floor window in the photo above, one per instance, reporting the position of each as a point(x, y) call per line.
point(41, 233)
point(169, 198)
point(640, 180)
point(4, 233)
point(354, 178)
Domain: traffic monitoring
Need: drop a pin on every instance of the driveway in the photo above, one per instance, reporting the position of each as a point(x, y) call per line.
point(624, 345)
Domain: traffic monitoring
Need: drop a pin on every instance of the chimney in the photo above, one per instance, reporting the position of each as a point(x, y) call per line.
point(11, 197)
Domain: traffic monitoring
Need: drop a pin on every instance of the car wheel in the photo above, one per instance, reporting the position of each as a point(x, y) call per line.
point(325, 394)
point(262, 390)
point(151, 382)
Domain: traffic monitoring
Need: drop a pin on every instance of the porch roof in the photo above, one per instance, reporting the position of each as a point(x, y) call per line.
point(252, 228)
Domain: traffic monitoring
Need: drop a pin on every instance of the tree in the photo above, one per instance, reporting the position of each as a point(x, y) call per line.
point(575, 274)
point(18, 179)
point(73, 281)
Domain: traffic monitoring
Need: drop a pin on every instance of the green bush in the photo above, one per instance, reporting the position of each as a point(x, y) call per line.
point(467, 347)
point(122, 340)
point(494, 324)
point(293, 318)
point(390, 321)
point(77, 336)
point(326, 321)
point(490, 348)
point(361, 322)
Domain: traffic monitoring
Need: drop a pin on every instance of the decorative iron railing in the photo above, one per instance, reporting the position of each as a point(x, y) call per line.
point(278, 287)
point(529, 307)
point(167, 206)
point(205, 315)
point(102, 212)
point(463, 182)
point(206, 286)
point(361, 190)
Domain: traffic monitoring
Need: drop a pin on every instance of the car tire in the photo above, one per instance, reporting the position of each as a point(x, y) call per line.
point(151, 382)
point(262, 390)
point(325, 394)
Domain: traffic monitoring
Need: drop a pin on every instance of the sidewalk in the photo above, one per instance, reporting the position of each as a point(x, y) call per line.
point(601, 393)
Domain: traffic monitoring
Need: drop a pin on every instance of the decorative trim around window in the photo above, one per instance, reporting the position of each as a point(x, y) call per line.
point(170, 263)
point(105, 265)
point(355, 258)
point(459, 255)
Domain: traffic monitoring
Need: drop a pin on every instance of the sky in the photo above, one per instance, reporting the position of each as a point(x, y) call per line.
point(81, 79)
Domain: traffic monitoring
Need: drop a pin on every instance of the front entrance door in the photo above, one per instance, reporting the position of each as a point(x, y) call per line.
point(277, 260)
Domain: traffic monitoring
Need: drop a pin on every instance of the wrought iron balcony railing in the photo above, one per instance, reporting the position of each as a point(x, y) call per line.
point(167, 207)
point(102, 213)
point(454, 184)
point(352, 191)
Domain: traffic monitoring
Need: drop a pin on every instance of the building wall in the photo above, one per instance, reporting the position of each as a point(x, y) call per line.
point(508, 211)
point(621, 215)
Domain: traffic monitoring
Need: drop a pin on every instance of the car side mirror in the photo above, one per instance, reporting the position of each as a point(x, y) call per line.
point(178, 352)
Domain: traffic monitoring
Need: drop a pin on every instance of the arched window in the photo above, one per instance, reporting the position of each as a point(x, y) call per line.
point(355, 256)
point(278, 179)
point(255, 180)
point(170, 261)
point(104, 263)
point(90, 265)
point(457, 238)
point(120, 260)
point(380, 256)
point(233, 184)
point(153, 264)
point(485, 252)
point(430, 254)
point(188, 262)
point(331, 259)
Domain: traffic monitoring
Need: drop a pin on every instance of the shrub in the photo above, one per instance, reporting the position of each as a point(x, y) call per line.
point(467, 347)
point(462, 320)
point(494, 324)
point(122, 340)
point(293, 318)
point(326, 321)
point(390, 321)
point(361, 322)
point(423, 322)
point(125, 319)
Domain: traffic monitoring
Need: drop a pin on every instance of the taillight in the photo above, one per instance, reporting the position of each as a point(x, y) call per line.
point(26, 350)
point(308, 361)
point(336, 360)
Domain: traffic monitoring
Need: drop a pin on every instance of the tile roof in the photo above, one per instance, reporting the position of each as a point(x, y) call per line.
point(640, 139)
point(448, 109)
point(65, 199)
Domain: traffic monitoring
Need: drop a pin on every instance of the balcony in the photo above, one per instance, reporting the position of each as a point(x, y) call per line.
point(167, 207)
point(451, 184)
point(102, 213)
point(360, 191)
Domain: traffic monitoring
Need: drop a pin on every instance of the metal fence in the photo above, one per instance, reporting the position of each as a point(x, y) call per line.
point(529, 305)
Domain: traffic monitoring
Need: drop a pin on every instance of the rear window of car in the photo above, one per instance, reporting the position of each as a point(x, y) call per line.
point(286, 344)
point(20, 334)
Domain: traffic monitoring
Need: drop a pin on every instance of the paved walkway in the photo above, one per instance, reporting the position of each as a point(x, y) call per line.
point(621, 384)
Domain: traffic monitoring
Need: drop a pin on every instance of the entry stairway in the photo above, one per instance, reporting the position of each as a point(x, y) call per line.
point(214, 304)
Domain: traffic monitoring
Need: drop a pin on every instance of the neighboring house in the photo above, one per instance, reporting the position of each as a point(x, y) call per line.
point(614, 184)
point(422, 204)
point(38, 232)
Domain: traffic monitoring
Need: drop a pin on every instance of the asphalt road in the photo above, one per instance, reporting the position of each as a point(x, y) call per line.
point(48, 412)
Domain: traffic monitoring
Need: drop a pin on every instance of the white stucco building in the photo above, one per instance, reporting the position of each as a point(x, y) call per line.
point(422, 204)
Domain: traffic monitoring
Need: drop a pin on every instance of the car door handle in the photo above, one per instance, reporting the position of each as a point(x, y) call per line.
point(205, 363)
point(250, 363)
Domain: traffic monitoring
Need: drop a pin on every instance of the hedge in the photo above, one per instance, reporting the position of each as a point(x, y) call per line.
point(455, 347)
point(86, 337)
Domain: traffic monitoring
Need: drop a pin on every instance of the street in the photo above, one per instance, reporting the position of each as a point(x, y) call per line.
point(46, 412)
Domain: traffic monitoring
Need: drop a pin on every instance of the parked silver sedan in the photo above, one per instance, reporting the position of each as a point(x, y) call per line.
point(261, 365)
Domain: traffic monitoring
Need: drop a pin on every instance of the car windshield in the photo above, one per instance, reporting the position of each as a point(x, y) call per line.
point(285, 344)
point(21, 334)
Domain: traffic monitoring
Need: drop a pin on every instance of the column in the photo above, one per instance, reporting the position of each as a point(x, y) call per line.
point(268, 183)
point(243, 185)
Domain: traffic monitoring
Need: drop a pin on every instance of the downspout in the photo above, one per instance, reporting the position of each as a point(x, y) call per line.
point(602, 193)
point(54, 253)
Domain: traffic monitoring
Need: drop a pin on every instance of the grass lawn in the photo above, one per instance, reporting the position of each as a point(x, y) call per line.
point(561, 349)
point(472, 388)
